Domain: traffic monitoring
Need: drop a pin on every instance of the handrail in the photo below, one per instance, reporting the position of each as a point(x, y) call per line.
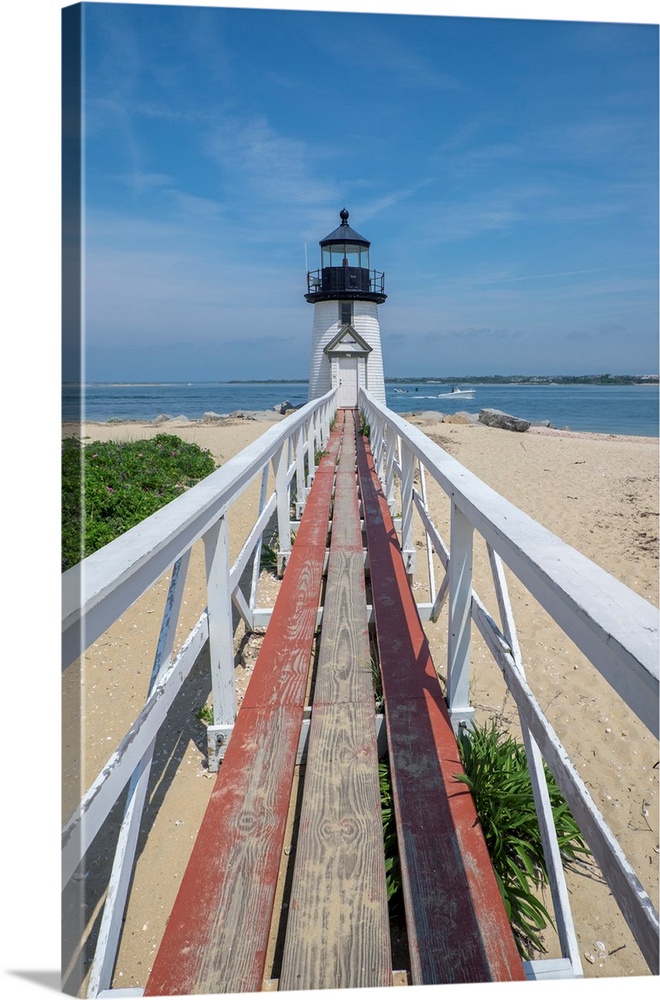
point(614, 627)
point(98, 589)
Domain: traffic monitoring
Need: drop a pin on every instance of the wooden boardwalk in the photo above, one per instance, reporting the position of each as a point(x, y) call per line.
point(337, 929)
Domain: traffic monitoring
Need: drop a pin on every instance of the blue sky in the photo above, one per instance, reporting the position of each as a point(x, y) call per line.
point(505, 171)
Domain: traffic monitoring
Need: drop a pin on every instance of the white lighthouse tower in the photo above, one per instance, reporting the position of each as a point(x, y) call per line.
point(346, 293)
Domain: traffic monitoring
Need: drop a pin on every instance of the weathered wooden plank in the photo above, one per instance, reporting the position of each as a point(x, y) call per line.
point(217, 935)
point(457, 925)
point(338, 931)
point(344, 652)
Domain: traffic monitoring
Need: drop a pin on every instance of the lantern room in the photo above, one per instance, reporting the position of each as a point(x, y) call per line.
point(345, 271)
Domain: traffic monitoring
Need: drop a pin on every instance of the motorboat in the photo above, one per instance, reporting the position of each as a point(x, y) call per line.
point(455, 391)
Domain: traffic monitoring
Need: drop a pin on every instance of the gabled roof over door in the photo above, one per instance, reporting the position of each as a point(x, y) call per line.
point(347, 341)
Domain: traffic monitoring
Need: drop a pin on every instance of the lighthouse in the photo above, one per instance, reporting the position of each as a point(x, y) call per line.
point(346, 293)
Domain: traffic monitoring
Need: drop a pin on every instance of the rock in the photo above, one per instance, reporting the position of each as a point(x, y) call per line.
point(541, 423)
point(461, 417)
point(166, 419)
point(424, 416)
point(242, 415)
point(496, 418)
point(267, 415)
point(283, 407)
point(210, 417)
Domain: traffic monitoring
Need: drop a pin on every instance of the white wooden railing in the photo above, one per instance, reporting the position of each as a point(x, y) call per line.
point(615, 629)
point(97, 591)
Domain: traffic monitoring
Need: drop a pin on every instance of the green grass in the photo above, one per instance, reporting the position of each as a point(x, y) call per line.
point(496, 772)
point(109, 487)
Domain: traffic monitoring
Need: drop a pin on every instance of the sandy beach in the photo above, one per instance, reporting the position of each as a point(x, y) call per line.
point(599, 493)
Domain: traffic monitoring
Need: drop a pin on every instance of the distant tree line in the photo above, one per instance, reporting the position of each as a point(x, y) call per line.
point(606, 379)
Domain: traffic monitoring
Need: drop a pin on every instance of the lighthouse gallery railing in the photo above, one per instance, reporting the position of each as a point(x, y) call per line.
point(616, 629)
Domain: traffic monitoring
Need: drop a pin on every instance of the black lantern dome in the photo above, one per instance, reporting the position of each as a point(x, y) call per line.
point(345, 271)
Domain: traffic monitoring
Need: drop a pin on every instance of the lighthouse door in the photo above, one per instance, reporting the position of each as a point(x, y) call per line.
point(347, 379)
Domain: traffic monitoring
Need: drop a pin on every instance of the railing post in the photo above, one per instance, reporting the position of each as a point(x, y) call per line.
point(300, 473)
point(460, 620)
point(392, 439)
point(326, 423)
point(311, 466)
point(221, 638)
point(376, 426)
point(429, 545)
point(407, 543)
point(283, 509)
point(256, 565)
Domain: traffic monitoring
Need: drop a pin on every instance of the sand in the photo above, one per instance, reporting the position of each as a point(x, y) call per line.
point(597, 492)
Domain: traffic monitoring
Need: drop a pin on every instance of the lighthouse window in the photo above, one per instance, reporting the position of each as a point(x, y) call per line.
point(345, 313)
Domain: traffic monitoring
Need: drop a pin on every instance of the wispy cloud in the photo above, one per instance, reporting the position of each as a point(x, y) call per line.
point(564, 274)
point(380, 52)
point(275, 166)
point(138, 181)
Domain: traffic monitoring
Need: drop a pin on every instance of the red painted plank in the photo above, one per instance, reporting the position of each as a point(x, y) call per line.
point(457, 926)
point(217, 935)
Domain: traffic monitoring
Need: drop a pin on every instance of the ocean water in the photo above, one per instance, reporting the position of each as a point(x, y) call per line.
point(615, 409)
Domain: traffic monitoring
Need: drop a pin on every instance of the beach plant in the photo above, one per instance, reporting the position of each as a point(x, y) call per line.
point(205, 714)
point(109, 487)
point(497, 774)
point(268, 559)
point(365, 427)
point(392, 863)
point(377, 683)
point(270, 552)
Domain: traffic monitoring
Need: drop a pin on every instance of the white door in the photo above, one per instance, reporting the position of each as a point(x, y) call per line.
point(347, 377)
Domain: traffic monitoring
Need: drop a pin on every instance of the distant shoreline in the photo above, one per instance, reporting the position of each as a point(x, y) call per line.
point(535, 380)
point(224, 420)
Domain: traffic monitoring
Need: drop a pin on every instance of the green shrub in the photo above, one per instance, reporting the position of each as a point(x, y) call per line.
point(109, 487)
point(497, 774)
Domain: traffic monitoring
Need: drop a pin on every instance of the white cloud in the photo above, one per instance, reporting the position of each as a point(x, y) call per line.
point(277, 167)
